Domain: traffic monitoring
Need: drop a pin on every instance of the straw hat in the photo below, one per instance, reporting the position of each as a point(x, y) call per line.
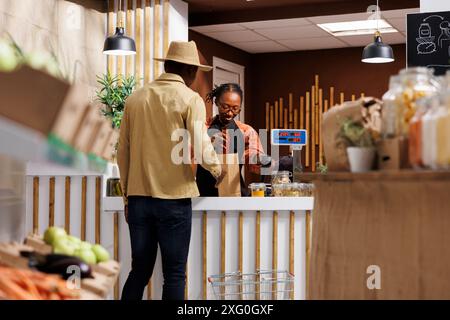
point(184, 52)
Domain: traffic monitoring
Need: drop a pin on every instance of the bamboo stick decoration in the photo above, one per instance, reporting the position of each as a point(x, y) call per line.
point(275, 252)
point(342, 98)
point(67, 205)
point(308, 248)
point(156, 37)
point(166, 9)
point(320, 126)
point(129, 31)
point(296, 119)
point(291, 246)
point(147, 40)
point(138, 38)
point(353, 97)
point(267, 116)
point(319, 117)
point(290, 107)
point(281, 113)
point(307, 116)
point(285, 120)
point(313, 129)
point(98, 203)
point(325, 105)
point(83, 207)
point(120, 58)
point(204, 255)
point(271, 117)
point(276, 114)
point(316, 85)
point(302, 111)
point(35, 205)
point(51, 202)
point(331, 97)
point(362, 95)
point(241, 248)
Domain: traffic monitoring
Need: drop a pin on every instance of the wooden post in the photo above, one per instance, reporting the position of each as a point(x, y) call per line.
point(307, 117)
point(353, 97)
point(320, 125)
point(302, 111)
point(147, 41)
point(290, 108)
point(204, 255)
point(326, 105)
point(291, 246)
point(51, 202)
point(35, 205)
point(362, 95)
point(98, 203)
point(342, 98)
point(276, 115)
point(271, 118)
point(313, 129)
point(286, 126)
point(83, 207)
point(296, 119)
point(319, 116)
point(67, 205)
point(281, 113)
point(267, 116)
point(258, 250)
point(331, 97)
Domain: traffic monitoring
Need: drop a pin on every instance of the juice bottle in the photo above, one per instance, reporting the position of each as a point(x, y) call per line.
point(415, 136)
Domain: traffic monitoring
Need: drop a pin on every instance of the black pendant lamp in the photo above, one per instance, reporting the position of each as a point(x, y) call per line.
point(377, 52)
point(119, 44)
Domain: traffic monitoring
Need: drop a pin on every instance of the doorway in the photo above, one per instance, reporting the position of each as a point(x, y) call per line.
point(229, 72)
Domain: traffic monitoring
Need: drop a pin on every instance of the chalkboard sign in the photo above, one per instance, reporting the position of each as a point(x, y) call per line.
point(428, 40)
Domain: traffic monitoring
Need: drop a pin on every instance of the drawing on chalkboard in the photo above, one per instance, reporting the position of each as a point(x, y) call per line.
point(426, 40)
point(445, 33)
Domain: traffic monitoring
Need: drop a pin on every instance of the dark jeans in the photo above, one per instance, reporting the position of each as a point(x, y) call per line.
point(162, 222)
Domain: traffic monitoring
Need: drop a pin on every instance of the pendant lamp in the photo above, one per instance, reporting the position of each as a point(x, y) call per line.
point(119, 44)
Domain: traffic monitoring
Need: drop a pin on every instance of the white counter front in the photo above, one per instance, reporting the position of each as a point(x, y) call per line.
point(229, 235)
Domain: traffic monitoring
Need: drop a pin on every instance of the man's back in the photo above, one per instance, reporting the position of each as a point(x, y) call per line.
point(152, 114)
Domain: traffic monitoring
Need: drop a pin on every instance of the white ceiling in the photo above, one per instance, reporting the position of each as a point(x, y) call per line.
point(301, 33)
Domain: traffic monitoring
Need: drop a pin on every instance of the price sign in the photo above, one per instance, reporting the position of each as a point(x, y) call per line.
point(288, 137)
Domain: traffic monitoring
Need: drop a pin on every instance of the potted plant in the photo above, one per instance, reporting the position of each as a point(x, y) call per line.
point(112, 94)
point(359, 143)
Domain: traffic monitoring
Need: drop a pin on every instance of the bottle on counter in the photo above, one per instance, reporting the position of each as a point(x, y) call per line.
point(113, 188)
point(390, 116)
point(415, 135)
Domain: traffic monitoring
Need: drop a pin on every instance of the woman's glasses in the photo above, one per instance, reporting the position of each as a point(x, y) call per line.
point(226, 108)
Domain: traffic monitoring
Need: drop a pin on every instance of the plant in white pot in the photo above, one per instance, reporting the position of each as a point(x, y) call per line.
point(360, 145)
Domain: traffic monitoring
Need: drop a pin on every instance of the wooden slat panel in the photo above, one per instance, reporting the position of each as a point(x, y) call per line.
point(204, 255)
point(281, 113)
point(129, 32)
point(156, 37)
point(276, 115)
point(267, 116)
point(98, 203)
point(51, 202)
point(319, 125)
point(291, 245)
point(83, 207)
point(302, 111)
point(313, 129)
point(291, 102)
point(275, 251)
point(342, 97)
point(166, 7)
point(296, 119)
point(286, 123)
point(307, 117)
point(67, 205)
point(120, 17)
point(223, 230)
point(147, 41)
point(36, 205)
point(258, 248)
point(116, 252)
point(331, 97)
point(308, 248)
point(111, 29)
point(241, 248)
point(138, 39)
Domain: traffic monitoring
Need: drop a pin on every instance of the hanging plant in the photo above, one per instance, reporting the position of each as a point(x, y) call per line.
point(113, 93)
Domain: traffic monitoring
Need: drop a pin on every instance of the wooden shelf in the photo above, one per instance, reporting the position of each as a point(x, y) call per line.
point(406, 175)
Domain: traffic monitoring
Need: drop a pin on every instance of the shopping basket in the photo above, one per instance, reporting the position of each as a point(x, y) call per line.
point(261, 285)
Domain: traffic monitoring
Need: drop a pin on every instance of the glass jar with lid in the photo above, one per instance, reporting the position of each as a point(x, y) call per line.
point(281, 177)
point(390, 125)
point(416, 83)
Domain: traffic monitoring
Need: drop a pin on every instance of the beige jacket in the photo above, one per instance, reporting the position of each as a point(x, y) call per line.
point(146, 152)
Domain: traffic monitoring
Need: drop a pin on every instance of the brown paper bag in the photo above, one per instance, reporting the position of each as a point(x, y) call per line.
point(231, 183)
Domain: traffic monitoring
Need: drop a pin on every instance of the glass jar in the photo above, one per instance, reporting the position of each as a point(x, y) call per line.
point(281, 177)
point(429, 134)
point(416, 83)
point(258, 189)
point(415, 134)
point(390, 116)
point(279, 189)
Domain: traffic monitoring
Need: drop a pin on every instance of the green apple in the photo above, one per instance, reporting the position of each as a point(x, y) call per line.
point(62, 245)
point(87, 255)
point(52, 233)
point(8, 58)
point(74, 239)
point(85, 245)
point(100, 252)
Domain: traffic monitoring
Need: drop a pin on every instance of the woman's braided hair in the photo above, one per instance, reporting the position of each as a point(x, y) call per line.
point(218, 91)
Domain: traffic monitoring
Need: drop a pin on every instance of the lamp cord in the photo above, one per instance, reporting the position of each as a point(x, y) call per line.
point(120, 14)
point(378, 16)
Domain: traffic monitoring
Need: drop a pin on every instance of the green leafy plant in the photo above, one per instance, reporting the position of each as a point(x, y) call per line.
point(354, 134)
point(112, 94)
point(322, 168)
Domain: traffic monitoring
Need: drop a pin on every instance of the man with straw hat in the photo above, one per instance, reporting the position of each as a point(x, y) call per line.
point(157, 186)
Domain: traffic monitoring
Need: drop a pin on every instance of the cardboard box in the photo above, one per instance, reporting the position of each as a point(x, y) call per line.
point(393, 154)
point(87, 129)
point(100, 138)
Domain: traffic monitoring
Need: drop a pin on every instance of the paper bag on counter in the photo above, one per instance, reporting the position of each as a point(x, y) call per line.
point(231, 183)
